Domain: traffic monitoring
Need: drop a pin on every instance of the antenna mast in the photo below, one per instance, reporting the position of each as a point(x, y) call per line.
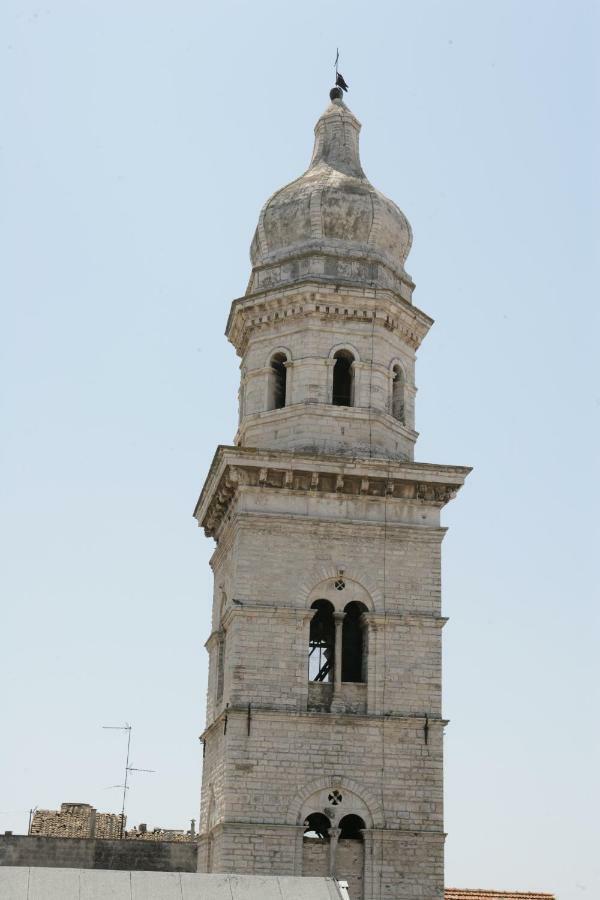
point(126, 727)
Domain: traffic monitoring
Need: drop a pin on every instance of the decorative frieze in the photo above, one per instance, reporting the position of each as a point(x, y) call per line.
point(370, 308)
point(406, 482)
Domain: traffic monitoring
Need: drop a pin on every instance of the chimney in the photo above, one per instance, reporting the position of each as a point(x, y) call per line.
point(193, 828)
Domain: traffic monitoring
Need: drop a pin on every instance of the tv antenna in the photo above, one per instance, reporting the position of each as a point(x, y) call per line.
point(126, 727)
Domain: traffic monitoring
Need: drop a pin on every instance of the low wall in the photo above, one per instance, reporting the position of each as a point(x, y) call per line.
point(78, 884)
point(83, 853)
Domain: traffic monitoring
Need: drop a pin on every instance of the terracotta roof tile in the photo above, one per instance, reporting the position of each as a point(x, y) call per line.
point(482, 894)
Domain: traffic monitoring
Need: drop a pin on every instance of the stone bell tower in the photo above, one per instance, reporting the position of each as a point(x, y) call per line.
point(323, 741)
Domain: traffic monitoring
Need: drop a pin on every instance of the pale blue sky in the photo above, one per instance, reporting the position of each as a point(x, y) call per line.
point(139, 141)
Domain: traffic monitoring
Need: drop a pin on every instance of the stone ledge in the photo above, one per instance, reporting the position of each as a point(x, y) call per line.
point(236, 467)
point(350, 719)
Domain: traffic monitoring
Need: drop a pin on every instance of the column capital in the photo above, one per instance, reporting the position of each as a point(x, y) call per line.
point(365, 620)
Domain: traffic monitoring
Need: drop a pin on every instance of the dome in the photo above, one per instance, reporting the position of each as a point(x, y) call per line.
point(331, 223)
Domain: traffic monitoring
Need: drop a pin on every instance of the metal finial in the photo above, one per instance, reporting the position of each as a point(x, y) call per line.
point(337, 92)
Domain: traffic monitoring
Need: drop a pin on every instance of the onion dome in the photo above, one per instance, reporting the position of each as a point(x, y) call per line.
point(331, 224)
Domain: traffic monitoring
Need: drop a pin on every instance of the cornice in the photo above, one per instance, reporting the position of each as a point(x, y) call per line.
point(342, 303)
point(237, 468)
point(292, 411)
point(336, 718)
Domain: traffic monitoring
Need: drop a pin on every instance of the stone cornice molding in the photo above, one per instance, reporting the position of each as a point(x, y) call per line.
point(237, 468)
point(384, 833)
point(352, 305)
point(302, 614)
point(278, 417)
point(338, 266)
point(377, 620)
point(427, 534)
point(337, 718)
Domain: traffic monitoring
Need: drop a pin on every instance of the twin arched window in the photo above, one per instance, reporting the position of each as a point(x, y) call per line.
point(322, 645)
point(317, 825)
point(343, 380)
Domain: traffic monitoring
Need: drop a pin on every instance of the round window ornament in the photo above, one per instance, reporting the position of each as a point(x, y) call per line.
point(339, 584)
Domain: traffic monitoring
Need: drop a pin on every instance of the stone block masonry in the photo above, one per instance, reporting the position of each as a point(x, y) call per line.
point(324, 729)
point(87, 853)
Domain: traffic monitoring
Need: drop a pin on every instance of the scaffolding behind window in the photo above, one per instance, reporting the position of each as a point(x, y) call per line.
point(321, 642)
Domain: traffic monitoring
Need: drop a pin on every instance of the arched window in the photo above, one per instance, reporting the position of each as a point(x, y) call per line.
point(316, 846)
point(343, 379)
point(316, 827)
point(353, 655)
point(321, 646)
point(277, 381)
point(351, 828)
point(350, 854)
point(398, 393)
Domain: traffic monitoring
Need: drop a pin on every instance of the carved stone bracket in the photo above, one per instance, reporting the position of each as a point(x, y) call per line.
point(246, 474)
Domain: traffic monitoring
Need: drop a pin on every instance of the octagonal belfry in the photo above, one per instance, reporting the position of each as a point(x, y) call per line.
point(323, 740)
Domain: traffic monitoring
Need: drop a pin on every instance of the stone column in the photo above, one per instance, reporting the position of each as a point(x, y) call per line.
point(369, 622)
point(337, 703)
point(289, 368)
point(364, 626)
point(334, 836)
point(330, 363)
point(338, 618)
point(299, 850)
point(368, 886)
point(360, 377)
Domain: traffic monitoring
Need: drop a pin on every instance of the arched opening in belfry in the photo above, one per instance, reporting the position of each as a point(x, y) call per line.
point(316, 827)
point(316, 846)
point(353, 643)
point(350, 854)
point(277, 381)
point(398, 393)
point(343, 379)
point(321, 644)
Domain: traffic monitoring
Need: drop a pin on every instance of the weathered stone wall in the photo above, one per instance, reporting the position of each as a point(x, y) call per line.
point(309, 341)
point(321, 487)
point(83, 853)
point(375, 744)
point(349, 865)
point(266, 643)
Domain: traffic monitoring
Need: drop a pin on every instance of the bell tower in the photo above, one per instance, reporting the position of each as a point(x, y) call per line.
point(324, 731)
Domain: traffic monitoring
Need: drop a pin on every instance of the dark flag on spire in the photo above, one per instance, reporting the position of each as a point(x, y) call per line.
point(340, 82)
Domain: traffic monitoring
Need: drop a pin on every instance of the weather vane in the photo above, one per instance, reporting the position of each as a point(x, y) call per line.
point(340, 82)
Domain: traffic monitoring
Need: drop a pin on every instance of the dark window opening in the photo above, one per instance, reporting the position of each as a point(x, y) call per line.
point(316, 827)
point(353, 663)
point(278, 381)
point(343, 379)
point(351, 828)
point(398, 394)
point(321, 644)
